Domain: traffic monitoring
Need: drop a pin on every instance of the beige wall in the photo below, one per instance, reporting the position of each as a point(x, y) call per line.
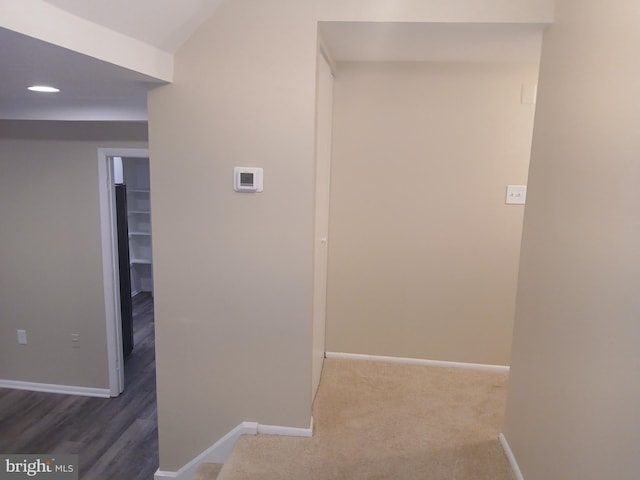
point(233, 273)
point(463, 11)
point(572, 410)
point(423, 257)
point(233, 276)
point(51, 281)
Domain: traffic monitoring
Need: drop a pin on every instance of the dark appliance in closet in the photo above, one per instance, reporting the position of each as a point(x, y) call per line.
point(126, 308)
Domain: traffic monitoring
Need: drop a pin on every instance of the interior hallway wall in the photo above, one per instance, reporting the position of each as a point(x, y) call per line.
point(572, 406)
point(423, 257)
point(51, 280)
point(233, 271)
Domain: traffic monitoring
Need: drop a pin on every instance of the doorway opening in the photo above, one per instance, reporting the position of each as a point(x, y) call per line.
point(127, 262)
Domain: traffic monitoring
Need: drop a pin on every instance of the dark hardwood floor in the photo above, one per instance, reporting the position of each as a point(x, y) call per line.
point(115, 438)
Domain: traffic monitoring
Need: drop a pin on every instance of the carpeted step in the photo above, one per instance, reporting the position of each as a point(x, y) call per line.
point(208, 471)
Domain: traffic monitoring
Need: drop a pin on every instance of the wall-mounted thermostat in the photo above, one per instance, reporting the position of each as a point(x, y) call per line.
point(247, 179)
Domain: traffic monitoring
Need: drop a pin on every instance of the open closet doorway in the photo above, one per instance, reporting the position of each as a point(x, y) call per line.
point(133, 220)
point(128, 264)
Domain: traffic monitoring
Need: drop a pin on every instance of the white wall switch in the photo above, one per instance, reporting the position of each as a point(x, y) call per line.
point(75, 340)
point(516, 194)
point(22, 337)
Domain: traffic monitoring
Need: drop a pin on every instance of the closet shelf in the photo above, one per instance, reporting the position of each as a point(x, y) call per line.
point(136, 177)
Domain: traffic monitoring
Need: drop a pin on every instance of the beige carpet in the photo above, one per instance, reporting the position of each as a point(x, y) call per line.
point(388, 421)
point(208, 471)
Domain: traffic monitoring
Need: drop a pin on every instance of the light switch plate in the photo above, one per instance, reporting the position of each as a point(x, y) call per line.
point(516, 194)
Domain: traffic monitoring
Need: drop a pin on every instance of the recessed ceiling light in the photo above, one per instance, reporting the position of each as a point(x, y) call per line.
point(43, 88)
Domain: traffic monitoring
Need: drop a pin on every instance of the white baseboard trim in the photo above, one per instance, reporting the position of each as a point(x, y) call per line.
point(51, 388)
point(287, 431)
point(216, 453)
point(219, 452)
point(418, 361)
point(511, 457)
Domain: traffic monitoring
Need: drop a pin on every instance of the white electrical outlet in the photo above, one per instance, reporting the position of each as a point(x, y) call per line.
point(22, 337)
point(75, 340)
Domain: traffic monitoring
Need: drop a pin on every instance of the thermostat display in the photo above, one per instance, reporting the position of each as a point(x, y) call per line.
point(247, 179)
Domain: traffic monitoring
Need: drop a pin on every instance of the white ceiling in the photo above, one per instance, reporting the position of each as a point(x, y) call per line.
point(165, 24)
point(92, 89)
